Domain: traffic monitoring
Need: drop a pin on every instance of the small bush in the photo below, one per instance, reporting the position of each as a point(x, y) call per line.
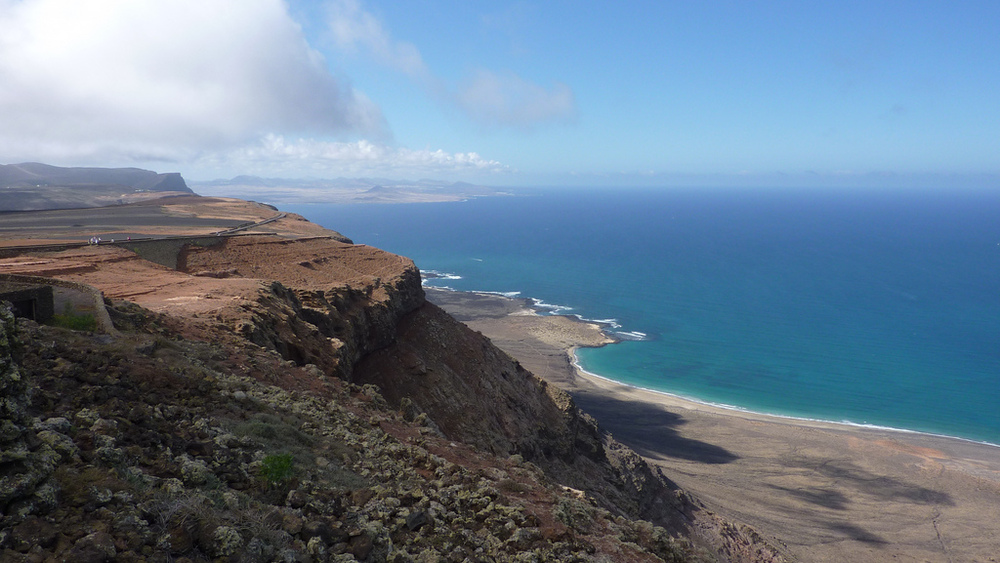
point(277, 468)
point(273, 431)
point(574, 513)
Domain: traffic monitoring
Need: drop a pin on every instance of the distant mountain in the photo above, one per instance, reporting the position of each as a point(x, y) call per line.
point(34, 186)
point(342, 190)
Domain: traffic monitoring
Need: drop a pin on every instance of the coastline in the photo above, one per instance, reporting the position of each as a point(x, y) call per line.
point(734, 410)
point(826, 491)
point(525, 306)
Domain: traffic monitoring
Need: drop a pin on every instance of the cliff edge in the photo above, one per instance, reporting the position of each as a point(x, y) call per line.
point(296, 398)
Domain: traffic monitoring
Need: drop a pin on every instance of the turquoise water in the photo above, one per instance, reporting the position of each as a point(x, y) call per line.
point(872, 307)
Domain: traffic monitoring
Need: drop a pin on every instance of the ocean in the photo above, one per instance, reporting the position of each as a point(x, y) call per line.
point(871, 307)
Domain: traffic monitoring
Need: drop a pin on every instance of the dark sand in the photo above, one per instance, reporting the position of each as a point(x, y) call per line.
point(818, 491)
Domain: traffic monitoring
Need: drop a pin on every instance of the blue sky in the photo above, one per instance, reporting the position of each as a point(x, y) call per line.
point(518, 93)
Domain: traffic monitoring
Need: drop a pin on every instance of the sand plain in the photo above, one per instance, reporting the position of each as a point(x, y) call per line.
point(818, 491)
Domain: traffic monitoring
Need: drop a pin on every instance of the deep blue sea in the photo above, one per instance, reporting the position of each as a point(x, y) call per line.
point(870, 307)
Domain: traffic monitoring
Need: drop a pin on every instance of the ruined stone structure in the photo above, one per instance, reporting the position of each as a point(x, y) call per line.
point(31, 301)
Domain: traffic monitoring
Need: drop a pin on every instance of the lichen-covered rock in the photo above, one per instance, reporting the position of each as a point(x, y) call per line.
point(13, 388)
point(55, 424)
point(26, 462)
point(227, 541)
point(86, 417)
point(194, 471)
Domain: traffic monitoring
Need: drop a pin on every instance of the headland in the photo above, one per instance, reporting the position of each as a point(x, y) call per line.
point(231, 382)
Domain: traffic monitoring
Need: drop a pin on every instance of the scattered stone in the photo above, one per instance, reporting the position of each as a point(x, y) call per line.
point(296, 498)
point(361, 546)
point(33, 531)
point(361, 497)
point(61, 444)
point(316, 548)
point(86, 418)
point(97, 547)
point(416, 520)
point(55, 424)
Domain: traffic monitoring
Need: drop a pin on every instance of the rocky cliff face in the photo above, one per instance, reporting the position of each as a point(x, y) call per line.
point(307, 403)
point(456, 381)
point(33, 174)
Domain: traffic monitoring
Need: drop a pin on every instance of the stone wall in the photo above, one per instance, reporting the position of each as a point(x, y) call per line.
point(165, 251)
point(104, 323)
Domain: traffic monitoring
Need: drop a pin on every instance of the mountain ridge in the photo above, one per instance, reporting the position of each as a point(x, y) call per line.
point(33, 186)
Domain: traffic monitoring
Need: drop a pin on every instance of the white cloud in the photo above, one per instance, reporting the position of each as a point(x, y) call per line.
point(120, 80)
point(274, 155)
point(489, 98)
point(355, 29)
point(507, 99)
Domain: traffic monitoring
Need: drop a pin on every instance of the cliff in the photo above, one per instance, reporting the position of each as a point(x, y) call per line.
point(298, 399)
point(35, 186)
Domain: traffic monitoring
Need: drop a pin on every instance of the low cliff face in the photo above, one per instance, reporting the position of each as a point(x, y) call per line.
point(326, 303)
point(407, 435)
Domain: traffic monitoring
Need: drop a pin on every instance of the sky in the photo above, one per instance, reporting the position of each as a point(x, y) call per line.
point(885, 93)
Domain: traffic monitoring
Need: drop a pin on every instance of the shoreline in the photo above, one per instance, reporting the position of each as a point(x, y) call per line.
point(736, 410)
point(818, 490)
point(529, 308)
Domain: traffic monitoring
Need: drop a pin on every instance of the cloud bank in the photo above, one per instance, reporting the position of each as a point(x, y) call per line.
point(152, 80)
point(276, 155)
point(213, 87)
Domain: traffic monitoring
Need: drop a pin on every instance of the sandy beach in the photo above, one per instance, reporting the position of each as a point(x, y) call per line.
point(818, 491)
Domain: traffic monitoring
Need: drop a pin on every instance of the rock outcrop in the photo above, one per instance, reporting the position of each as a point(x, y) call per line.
point(27, 458)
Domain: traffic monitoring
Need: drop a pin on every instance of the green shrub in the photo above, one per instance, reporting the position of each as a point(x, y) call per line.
point(76, 322)
point(73, 321)
point(277, 468)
